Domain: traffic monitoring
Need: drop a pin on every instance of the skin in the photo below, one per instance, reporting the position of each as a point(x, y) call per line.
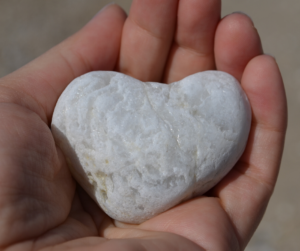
point(42, 208)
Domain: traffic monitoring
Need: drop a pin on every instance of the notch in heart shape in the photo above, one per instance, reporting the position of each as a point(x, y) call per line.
point(140, 148)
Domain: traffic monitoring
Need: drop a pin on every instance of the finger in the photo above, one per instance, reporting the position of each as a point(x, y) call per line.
point(246, 190)
point(95, 47)
point(139, 239)
point(236, 43)
point(193, 47)
point(147, 37)
point(201, 220)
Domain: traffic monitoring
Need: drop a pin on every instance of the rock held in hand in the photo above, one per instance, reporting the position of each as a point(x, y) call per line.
point(139, 148)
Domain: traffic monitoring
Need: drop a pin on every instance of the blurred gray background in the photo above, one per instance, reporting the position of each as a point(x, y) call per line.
point(30, 27)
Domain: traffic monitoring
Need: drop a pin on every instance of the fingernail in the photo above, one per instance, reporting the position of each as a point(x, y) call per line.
point(242, 13)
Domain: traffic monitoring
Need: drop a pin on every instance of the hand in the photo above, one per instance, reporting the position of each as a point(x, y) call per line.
point(40, 206)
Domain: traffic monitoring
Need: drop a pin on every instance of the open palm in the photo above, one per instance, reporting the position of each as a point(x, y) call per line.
point(41, 208)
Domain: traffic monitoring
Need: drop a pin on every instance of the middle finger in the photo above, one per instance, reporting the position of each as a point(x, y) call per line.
point(147, 37)
point(193, 47)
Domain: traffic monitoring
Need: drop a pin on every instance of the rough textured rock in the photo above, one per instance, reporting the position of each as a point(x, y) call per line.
point(140, 148)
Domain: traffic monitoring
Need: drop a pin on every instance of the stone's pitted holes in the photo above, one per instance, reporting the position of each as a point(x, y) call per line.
point(139, 149)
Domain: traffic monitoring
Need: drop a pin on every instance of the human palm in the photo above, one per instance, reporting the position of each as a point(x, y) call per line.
point(42, 208)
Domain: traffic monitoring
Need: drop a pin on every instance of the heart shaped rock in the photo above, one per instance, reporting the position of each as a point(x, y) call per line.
point(139, 149)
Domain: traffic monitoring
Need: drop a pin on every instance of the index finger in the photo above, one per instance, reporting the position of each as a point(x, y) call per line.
point(38, 85)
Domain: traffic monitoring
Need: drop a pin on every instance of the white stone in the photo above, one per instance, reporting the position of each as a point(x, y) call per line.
point(139, 149)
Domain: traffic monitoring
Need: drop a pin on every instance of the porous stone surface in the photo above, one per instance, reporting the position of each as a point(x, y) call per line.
point(139, 149)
